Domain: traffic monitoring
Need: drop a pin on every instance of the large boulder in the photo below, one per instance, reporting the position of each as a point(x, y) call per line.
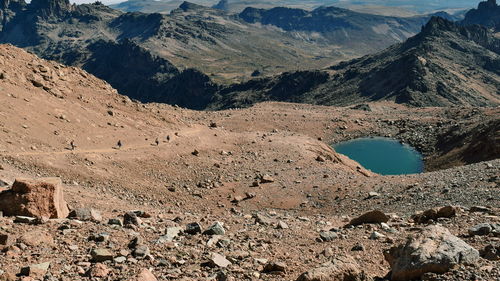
point(434, 249)
point(35, 198)
point(341, 268)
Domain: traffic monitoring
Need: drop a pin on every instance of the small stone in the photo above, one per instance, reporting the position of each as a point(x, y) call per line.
point(171, 233)
point(215, 229)
point(141, 251)
point(217, 260)
point(101, 255)
point(131, 218)
point(274, 267)
point(36, 238)
point(327, 236)
point(373, 194)
point(120, 259)
point(375, 216)
point(358, 248)
point(261, 219)
point(136, 241)
point(266, 179)
point(491, 252)
point(36, 270)
point(99, 270)
point(115, 221)
point(320, 158)
point(481, 229)
point(193, 228)
point(282, 225)
point(23, 219)
point(101, 237)
point(376, 235)
point(145, 275)
point(85, 214)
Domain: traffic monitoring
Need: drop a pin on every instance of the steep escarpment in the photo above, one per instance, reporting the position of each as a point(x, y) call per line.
point(444, 65)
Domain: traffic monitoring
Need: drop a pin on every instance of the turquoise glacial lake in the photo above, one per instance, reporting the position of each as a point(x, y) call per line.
point(383, 155)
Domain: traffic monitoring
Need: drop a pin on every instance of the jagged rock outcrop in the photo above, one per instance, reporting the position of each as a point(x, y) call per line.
point(486, 14)
point(35, 198)
point(445, 64)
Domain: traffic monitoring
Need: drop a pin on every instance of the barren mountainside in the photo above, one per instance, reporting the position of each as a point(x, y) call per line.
point(444, 65)
point(180, 58)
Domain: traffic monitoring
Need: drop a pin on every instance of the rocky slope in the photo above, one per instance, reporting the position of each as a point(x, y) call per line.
point(486, 14)
point(153, 57)
point(445, 64)
point(253, 194)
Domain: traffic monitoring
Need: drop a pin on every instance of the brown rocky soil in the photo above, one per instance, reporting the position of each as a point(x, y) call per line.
point(266, 173)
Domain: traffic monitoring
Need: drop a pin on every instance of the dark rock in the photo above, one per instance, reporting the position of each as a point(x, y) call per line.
point(370, 217)
point(193, 228)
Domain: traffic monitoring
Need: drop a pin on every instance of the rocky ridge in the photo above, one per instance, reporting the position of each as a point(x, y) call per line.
point(433, 61)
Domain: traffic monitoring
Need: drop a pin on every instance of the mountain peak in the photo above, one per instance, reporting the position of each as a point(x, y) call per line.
point(50, 8)
point(222, 5)
point(187, 6)
point(487, 4)
point(437, 24)
point(486, 14)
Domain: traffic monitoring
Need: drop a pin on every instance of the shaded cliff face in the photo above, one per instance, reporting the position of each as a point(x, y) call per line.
point(444, 65)
point(486, 14)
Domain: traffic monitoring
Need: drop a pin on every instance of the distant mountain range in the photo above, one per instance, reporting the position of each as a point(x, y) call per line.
point(383, 7)
point(193, 56)
point(176, 58)
point(444, 65)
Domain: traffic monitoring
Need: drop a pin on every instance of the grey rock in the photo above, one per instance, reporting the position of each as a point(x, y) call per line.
point(327, 236)
point(215, 229)
point(433, 250)
point(481, 229)
point(131, 218)
point(141, 251)
point(85, 214)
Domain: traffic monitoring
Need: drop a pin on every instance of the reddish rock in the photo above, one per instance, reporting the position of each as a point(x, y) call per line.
point(144, 275)
point(341, 268)
point(35, 238)
point(99, 270)
point(35, 198)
